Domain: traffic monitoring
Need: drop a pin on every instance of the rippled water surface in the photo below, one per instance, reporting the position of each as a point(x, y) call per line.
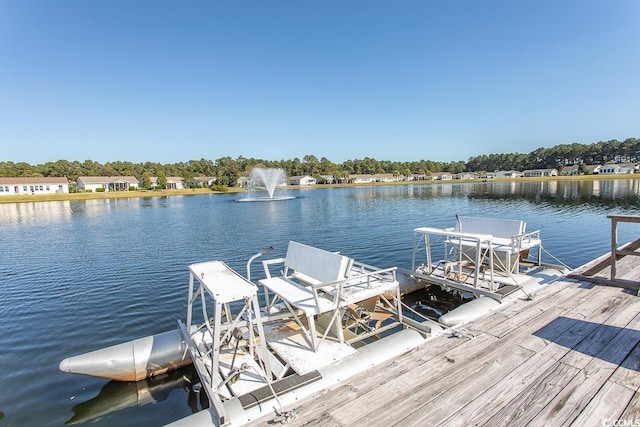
point(81, 275)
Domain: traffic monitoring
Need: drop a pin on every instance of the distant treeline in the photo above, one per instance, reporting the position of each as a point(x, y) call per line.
point(228, 170)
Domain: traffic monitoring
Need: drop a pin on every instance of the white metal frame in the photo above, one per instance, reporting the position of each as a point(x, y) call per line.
point(223, 286)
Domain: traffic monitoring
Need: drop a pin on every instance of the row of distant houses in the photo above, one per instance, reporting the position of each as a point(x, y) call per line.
point(446, 176)
point(53, 185)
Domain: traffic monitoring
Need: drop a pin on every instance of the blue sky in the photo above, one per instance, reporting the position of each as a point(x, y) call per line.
point(400, 80)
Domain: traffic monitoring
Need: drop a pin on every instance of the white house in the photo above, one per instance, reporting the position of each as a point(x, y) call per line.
point(504, 174)
point(418, 177)
point(540, 172)
point(466, 175)
point(387, 177)
point(173, 182)
point(595, 169)
point(361, 178)
point(441, 176)
point(326, 179)
point(109, 183)
point(617, 169)
point(574, 170)
point(243, 182)
point(203, 181)
point(33, 185)
point(302, 180)
point(628, 168)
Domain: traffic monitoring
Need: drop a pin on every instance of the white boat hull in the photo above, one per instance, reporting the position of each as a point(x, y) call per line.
point(483, 305)
point(367, 357)
point(134, 360)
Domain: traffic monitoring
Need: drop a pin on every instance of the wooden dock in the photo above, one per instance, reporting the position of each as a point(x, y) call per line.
point(569, 356)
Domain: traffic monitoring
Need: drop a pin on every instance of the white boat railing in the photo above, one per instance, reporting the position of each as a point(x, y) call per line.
point(454, 244)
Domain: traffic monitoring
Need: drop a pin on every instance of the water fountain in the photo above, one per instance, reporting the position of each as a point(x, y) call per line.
point(269, 179)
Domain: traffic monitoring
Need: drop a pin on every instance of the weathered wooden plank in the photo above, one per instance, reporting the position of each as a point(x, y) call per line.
point(459, 395)
point(521, 378)
point(420, 398)
point(569, 402)
point(511, 384)
point(632, 412)
point(602, 264)
point(389, 399)
point(572, 328)
point(563, 405)
point(626, 275)
point(623, 311)
point(325, 421)
point(397, 371)
point(526, 404)
point(631, 285)
point(625, 218)
point(607, 405)
point(628, 373)
point(534, 343)
point(593, 267)
point(535, 310)
point(519, 312)
point(627, 270)
point(543, 299)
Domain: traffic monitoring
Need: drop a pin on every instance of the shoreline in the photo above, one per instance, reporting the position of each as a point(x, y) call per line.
point(201, 191)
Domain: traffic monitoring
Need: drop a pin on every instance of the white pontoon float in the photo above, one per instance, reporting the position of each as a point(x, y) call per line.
point(326, 318)
point(488, 257)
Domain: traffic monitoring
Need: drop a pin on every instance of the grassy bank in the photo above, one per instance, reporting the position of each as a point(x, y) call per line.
point(197, 191)
point(110, 195)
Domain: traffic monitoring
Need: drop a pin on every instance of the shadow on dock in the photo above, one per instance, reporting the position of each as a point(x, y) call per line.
point(563, 330)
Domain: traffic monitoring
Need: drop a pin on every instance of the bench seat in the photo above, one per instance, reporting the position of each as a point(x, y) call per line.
point(315, 281)
point(298, 296)
point(362, 289)
point(508, 238)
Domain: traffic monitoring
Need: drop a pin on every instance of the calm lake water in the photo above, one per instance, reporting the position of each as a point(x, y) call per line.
point(81, 275)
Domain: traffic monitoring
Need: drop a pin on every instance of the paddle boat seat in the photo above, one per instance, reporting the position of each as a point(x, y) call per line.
point(509, 240)
point(314, 281)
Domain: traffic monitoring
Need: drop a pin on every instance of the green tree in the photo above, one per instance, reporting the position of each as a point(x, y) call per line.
point(162, 180)
point(228, 172)
point(146, 180)
point(311, 164)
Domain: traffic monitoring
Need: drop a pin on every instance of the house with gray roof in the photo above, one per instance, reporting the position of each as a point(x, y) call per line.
point(12, 186)
point(173, 182)
point(109, 183)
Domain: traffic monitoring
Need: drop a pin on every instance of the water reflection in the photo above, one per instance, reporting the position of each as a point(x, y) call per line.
point(607, 194)
point(433, 302)
point(46, 212)
point(116, 396)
